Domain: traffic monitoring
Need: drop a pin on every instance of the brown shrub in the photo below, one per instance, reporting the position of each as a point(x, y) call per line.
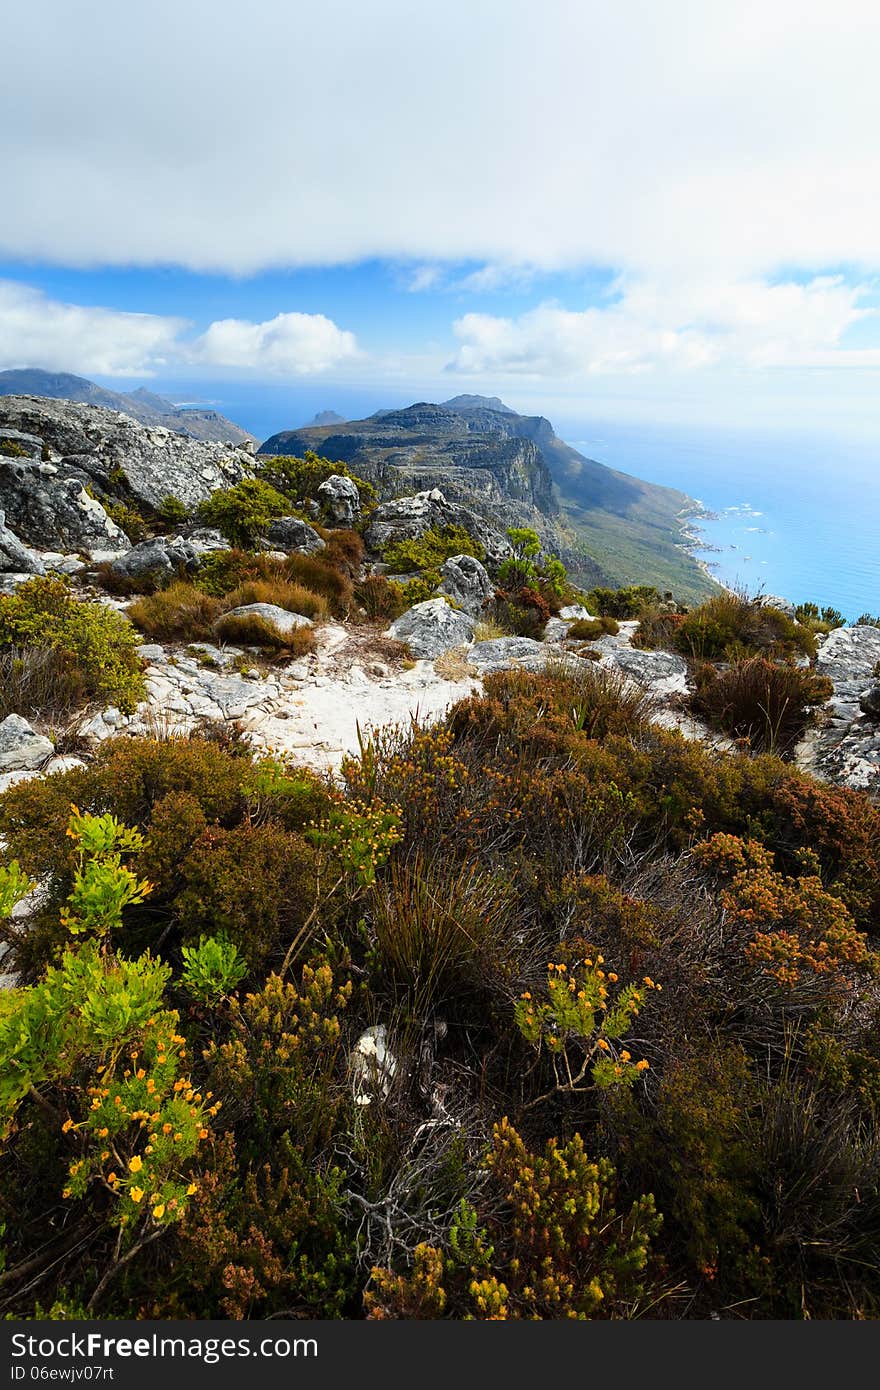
point(253, 630)
point(181, 612)
point(758, 700)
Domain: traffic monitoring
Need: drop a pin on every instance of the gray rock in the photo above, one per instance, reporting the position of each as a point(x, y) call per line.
point(340, 500)
point(432, 627)
point(407, 518)
point(21, 747)
point(372, 1065)
point(784, 605)
point(665, 673)
point(869, 703)
point(501, 653)
point(23, 445)
point(47, 509)
point(466, 581)
point(156, 462)
point(279, 618)
point(16, 558)
point(576, 612)
point(290, 533)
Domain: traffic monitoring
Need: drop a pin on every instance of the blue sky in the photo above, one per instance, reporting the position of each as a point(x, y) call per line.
point(647, 212)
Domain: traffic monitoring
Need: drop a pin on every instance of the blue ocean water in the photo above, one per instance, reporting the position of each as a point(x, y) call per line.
point(798, 514)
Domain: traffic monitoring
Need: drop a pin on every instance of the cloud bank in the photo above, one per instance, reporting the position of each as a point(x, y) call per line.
point(735, 138)
point(36, 331)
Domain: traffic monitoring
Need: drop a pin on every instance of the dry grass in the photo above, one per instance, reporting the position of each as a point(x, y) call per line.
point(769, 705)
point(454, 665)
point(181, 612)
point(295, 598)
point(488, 630)
point(252, 630)
point(39, 682)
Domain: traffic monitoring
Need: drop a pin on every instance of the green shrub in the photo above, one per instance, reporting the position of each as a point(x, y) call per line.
point(98, 645)
point(626, 603)
point(242, 513)
point(212, 969)
point(730, 625)
point(528, 568)
point(128, 519)
point(761, 701)
point(300, 478)
point(588, 629)
point(818, 619)
point(171, 512)
point(430, 550)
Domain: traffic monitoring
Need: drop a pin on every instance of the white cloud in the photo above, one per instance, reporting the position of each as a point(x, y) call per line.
point(673, 324)
point(40, 332)
point(289, 344)
point(36, 331)
point(739, 138)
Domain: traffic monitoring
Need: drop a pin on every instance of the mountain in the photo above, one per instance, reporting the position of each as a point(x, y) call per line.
point(607, 526)
point(142, 405)
point(327, 417)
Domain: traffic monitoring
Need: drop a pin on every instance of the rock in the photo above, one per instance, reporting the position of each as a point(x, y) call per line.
point(151, 651)
point(372, 1065)
point(784, 605)
point(466, 581)
point(21, 747)
point(432, 627)
point(340, 500)
point(869, 703)
point(47, 509)
point(16, 558)
point(155, 462)
point(279, 618)
point(14, 444)
point(407, 518)
point(663, 673)
point(576, 612)
point(162, 557)
point(500, 653)
point(290, 533)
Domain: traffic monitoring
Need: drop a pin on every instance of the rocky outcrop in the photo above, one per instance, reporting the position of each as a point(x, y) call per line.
point(407, 518)
point(140, 463)
point(340, 500)
point(501, 653)
point(432, 627)
point(21, 747)
point(467, 583)
point(845, 746)
point(161, 558)
point(45, 508)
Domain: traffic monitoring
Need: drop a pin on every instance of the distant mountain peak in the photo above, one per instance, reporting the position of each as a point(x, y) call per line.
point(478, 403)
point(327, 417)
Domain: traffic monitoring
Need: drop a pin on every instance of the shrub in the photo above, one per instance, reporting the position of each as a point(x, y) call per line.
point(431, 549)
point(243, 512)
point(528, 568)
point(39, 681)
point(731, 625)
point(818, 619)
point(588, 629)
point(295, 598)
point(128, 519)
point(344, 551)
point(552, 1246)
point(758, 700)
point(212, 969)
point(171, 512)
point(255, 883)
point(629, 602)
point(300, 478)
point(182, 612)
point(382, 599)
point(253, 630)
point(98, 645)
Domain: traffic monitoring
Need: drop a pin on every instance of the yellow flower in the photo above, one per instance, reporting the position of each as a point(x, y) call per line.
point(191, 1190)
point(159, 1211)
point(136, 1194)
point(136, 1164)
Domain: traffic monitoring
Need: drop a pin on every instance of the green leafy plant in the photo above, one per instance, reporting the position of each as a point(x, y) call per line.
point(243, 512)
point(212, 969)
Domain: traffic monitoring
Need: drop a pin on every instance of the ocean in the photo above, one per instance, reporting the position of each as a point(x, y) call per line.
point(797, 514)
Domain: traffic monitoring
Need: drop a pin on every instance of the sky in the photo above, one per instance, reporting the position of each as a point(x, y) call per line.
point(648, 211)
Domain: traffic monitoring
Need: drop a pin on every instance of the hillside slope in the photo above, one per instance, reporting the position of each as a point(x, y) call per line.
point(142, 405)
